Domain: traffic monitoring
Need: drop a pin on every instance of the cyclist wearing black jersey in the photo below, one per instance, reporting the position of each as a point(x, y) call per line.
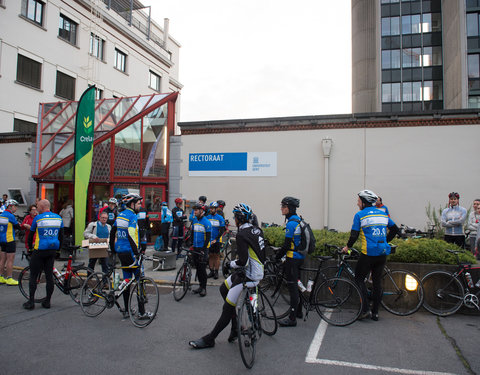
point(251, 255)
point(179, 219)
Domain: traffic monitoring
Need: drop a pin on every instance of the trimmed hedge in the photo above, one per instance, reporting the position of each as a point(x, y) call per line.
point(422, 250)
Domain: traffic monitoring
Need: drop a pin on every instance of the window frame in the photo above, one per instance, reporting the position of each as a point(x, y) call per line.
point(159, 78)
point(60, 74)
point(74, 33)
point(123, 55)
point(97, 46)
point(25, 11)
point(23, 78)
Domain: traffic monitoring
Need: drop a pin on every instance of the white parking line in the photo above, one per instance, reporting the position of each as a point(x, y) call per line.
point(317, 343)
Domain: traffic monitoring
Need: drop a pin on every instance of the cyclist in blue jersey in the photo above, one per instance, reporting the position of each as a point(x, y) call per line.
point(125, 242)
point(202, 231)
point(218, 227)
point(202, 199)
point(47, 228)
point(294, 259)
point(375, 230)
point(179, 218)
point(166, 219)
point(379, 204)
point(8, 224)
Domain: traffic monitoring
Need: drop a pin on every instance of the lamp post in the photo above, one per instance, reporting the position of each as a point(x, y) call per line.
point(326, 148)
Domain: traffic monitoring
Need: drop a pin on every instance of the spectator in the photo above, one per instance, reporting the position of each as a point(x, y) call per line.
point(67, 217)
point(166, 219)
point(48, 242)
point(98, 229)
point(380, 206)
point(473, 220)
point(27, 223)
point(453, 218)
point(8, 224)
point(179, 218)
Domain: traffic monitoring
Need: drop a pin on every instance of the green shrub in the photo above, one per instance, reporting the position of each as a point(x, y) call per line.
point(421, 250)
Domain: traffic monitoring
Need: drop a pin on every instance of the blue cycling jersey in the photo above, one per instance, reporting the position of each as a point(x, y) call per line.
point(167, 216)
point(200, 229)
point(126, 224)
point(217, 222)
point(372, 224)
point(294, 231)
point(47, 228)
point(7, 231)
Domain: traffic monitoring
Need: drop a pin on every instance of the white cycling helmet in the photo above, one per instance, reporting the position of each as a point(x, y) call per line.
point(113, 200)
point(368, 197)
point(11, 202)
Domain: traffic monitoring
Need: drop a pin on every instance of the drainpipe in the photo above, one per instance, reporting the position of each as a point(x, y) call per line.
point(166, 23)
point(327, 148)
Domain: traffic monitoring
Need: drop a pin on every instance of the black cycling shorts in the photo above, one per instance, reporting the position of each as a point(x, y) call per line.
point(9, 247)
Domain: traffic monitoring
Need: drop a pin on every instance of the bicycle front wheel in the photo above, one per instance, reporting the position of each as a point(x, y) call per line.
point(275, 288)
point(402, 292)
point(247, 334)
point(226, 259)
point(443, 293)
point(76, 281)
point(268, 320)
point(24, 285)
point(94, 294)
point(338, 301)
point(143, 302)
point(182, 282)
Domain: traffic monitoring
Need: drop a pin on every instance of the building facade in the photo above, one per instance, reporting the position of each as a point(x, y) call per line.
point(52, 50)
point(415, 55)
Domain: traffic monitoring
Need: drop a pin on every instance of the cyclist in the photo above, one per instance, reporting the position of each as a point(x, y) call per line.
point(125, 232)
point(202, 231)
point(202, 199)
point(47, 228)
point(8, 225)
point(111, 210)
point(251, 255)
point(218, 227)
point(179, 218)
point(453, 218)
point(221, 206)
point(167, 218)
point(294, 259)
point(379, 204)
point(371, 225)
point(143, 221)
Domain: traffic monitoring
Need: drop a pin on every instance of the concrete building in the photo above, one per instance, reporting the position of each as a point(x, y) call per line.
point(51, 51)
point(411, 160)
point(415, 55)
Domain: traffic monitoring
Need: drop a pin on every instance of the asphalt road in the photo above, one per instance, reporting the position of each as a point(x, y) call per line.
point(63, 340)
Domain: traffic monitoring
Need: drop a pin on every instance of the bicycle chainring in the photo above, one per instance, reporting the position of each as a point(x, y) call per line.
point(471, 301)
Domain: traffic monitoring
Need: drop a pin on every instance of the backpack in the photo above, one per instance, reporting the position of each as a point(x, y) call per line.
point(307, 239)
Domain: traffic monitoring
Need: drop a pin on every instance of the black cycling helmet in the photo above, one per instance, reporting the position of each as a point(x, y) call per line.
point(368, 197)
point(242, 212)
point(221, 203)
point(132, 197)
point(202, 198)
point(292, 204)
point(199, 206)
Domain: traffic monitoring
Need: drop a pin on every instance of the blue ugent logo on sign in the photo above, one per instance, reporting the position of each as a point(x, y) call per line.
point(227, 161)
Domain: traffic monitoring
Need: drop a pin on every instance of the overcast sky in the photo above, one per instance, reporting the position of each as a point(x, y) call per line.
point(260, 58)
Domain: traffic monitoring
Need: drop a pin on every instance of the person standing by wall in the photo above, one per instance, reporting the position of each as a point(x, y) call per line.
point(453, 218)
point(48, 229)
point(27, 223)
point(8, 224)
point(167, 219)
point(67, 216)
point(94, 230)
point(473, 220)
point(179, 218)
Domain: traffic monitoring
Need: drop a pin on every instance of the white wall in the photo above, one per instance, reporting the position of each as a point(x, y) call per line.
point(408, 166)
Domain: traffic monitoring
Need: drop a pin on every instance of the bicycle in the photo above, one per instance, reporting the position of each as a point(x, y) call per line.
point(402, 291)
point(100, 292)
point(183, 278)
point(446, 292)
point(255, 315)
point(226, 250)
point(69, 281)
point(337, 300)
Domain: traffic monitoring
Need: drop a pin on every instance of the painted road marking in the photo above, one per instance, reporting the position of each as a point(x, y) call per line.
point(317, 343)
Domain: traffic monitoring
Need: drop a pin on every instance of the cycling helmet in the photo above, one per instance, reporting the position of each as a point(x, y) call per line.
point(11, 202)
point(242, 212)
point(113, 200)
point(221, 203)
point(454, 195)
point(368, 197)
point(213, 205)
point(178, 200)
point(164, 204)
point(202, 198)
point(132, 197)
point(199, 206)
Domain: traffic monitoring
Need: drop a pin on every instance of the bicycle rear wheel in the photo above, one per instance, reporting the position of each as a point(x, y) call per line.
point(275, 288)
point(24, 285)
point(76, 281)
point(443, 293)
point(94, 294)
point(338, 301)
point(227, 258)
point(268, 320)
point(143, 302)
point(182, 282)
point(402, 292)
point(247, 335)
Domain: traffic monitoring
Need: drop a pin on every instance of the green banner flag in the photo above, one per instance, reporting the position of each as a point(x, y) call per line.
point(84, 127)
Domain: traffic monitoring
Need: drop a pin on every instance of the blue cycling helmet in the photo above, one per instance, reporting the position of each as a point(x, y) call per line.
point(164, 204)
point(213, 205)
point(242, 212)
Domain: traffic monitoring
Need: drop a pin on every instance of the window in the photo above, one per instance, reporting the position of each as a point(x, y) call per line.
point(473, 66)
point(98, 93)
point(154, 81)
point(23, 126)
point(29, 71)
point(97, 45)
point(120, 60)
point(33, 10)
point(67, 29)
point(391, 59)
point(390, 26)
point(65, 87)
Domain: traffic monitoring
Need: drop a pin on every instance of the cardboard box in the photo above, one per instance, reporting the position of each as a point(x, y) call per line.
point(97, 247)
